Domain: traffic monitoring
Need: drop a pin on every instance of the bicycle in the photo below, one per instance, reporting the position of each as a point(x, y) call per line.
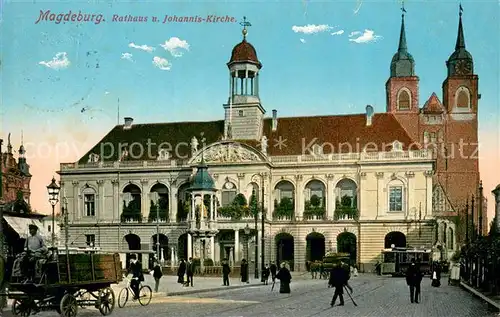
point(145, 295)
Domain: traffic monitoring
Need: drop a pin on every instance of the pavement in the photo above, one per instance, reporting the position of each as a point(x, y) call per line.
point(375, 296)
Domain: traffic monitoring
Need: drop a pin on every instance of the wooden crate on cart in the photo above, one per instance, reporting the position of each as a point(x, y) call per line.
point(89, 268)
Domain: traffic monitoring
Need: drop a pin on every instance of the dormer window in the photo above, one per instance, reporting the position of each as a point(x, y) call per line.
point(397, 146)
point(240, 113)
point(404, 99)
point(163, 155)
point(93, 158)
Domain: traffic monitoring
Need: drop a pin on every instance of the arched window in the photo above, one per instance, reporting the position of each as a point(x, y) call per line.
point(89, 202)
point(462, 98)
point(404, 99)
point(228, 194)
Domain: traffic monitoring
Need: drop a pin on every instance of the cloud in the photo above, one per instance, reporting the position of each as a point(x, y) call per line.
point(127, 56)
point(311, 28)
point(340, 32)
point(174, 45)
point(161, 63)
point(367, 37)
point(144, 47)
point(354, 33)
point(302, 40)
point(60, 61)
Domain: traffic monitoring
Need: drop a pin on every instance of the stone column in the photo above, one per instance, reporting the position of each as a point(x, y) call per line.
point(246, 82)
point(236, 245)
point(145, 203)
point(496, 192)
point(259, 248)
point(231, 252)
point(330, 197)
point(172, 257)
point(410, 193)
point(212, 248)
point(428, 204)
point(190, 245)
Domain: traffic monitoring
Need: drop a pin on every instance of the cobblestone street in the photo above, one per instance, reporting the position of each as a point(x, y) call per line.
point(375, 296)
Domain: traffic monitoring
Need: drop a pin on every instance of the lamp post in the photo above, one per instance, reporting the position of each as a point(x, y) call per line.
point(256, 270)
point(53, 191)
point(262, 241)
point(247, 234)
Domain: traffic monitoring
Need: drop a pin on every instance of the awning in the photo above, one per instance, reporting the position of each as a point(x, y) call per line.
point(21, 226)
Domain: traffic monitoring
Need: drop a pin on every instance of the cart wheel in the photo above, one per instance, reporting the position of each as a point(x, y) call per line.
point(145, 294)
point(123, 297)
point(106, 301)
point(68, 306)
point(21, 308)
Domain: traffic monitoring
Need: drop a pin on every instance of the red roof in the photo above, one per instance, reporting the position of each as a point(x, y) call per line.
point(433, 105)
point(337, 134)
point(244, 52)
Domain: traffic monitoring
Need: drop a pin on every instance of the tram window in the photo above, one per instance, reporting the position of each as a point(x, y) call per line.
point(426, 257)
point(404, 258)
point(389, 257)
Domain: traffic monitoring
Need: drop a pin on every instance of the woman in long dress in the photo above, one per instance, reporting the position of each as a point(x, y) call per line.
point(285, 278)
point(436, 275)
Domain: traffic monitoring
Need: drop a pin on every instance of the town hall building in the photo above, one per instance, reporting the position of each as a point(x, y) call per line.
point(351, 183)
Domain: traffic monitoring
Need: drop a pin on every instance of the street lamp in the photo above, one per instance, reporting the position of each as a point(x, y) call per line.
point(53, 191)
point(247, 234)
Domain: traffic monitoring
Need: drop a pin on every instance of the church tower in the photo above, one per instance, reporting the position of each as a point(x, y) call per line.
point(402, 85)
point(460, 99)
point(243, 111)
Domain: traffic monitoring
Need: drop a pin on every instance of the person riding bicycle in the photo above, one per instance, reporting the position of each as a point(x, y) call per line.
point(135, 269)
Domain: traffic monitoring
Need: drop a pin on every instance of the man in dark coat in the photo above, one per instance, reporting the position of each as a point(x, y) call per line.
point(413, 279)
point(135, 269)
point(244, 271)
point(285, 278)
point(225, 272)
point(273, 268)
point(190, 272)
point(157, 274)
point(181, 271)
point(265, 273)
point(338, 279)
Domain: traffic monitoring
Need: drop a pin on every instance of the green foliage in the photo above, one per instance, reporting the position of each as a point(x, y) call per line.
point(19, 196)
point(237, 209)
point(314, 207)
point(132, 211)
point(162, 210)
point(347, 206)
point(253, 206)
point(285, 208)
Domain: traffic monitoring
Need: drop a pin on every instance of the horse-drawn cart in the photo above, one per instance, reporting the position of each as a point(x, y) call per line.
point(69, 281)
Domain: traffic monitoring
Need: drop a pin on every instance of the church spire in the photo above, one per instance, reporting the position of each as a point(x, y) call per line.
point(402, 35)
point(460, 36)
point(402, 64)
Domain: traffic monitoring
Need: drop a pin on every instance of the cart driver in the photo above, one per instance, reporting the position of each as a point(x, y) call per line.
point(34, 250)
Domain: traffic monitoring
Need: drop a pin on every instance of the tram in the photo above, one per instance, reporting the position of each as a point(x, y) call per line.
point(397, 260)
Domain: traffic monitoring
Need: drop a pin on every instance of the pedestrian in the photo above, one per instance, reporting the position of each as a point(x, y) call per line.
point(244, 271)
point(157, 274)
point(436, 274)
point(190, 272)
point(338, 279)
point(285, 278)
point(226, 270)
point(265, 274)
point(413, 279)
point(181, 271)
point(273, 268)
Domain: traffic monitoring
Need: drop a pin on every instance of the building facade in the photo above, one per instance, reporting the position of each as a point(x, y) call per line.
point(353, 183)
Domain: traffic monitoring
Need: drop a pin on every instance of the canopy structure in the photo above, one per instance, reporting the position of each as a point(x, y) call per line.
point(21, 226)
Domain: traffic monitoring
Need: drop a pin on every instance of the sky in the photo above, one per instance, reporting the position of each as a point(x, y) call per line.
point(64, 85)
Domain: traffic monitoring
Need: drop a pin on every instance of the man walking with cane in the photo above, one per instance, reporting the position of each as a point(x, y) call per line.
point(338, 279)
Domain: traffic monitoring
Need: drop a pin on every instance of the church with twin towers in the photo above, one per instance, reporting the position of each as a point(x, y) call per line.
point(245, 188)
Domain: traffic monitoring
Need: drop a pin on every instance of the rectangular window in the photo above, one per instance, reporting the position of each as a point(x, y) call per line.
point(396, 198)
point(227, 197)
point(90, 240)
point(89, 205)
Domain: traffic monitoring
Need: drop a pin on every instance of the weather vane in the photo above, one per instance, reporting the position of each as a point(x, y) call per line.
point(403, 10)
point(244, 24)
point(460, 9)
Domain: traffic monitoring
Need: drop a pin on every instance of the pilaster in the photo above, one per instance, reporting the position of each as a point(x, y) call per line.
point(428, 204)
point(145, 203)
point(381, 210)
point(330, 197)
point(116, 200)
point(299, 197)
point(190, 246)
point(100, 210)
point(360, 190)
point(236, 246)
point(173, 201)
point(410, 191)
point(75, 215)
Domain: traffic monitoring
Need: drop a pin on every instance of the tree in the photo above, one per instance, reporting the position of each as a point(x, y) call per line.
point(253, 206)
